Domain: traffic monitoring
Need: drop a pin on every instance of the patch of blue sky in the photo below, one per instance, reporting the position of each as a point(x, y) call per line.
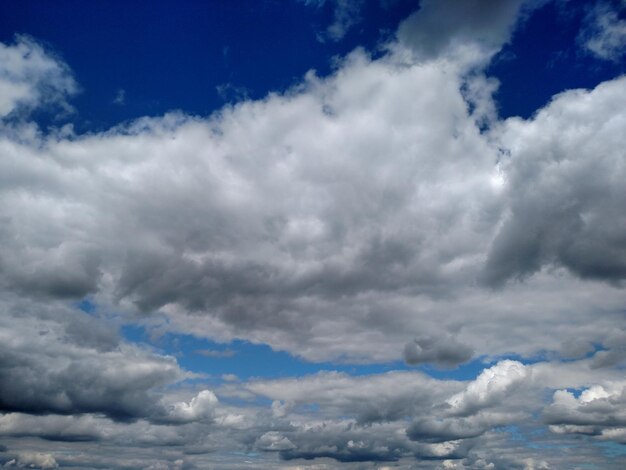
point(243, 359)
point(246, 360)
point(167, 56)
point(545, 57)
point(86, 305)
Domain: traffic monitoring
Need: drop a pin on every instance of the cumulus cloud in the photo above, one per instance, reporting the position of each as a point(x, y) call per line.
point(597, 411)
point(54, 359)
point(202, 406)
point(489, 388)
point(347, 217)
point(343, 246)
point(475, 410)
point(565, 188)
point(261, 243)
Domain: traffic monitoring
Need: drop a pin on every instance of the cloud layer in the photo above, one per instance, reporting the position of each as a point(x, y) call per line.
point(381, 213)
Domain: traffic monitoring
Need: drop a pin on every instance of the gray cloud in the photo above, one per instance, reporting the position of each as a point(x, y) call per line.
point(444, 351)
point(386, 397)
point(442, 27)
point(57, 360)
point(566, 189)
point(330, 435)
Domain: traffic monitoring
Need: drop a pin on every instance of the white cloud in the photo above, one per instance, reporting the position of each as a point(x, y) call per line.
point(202, 406)
point(489, 388)
point(604, 32)
point(340, 220)
point(30, 77)
point(33, 460)
point(273, 440)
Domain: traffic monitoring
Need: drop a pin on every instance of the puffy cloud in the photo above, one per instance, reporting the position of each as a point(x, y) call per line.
point(345, 245)
point(475, 410)
point(337, 221)
point(54, 359)
point(489, 388)
point(202, 406)
point(264, 241)
point(597, 411)
point(565, 183)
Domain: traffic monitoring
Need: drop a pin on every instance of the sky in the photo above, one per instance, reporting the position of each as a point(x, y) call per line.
point(313, 234)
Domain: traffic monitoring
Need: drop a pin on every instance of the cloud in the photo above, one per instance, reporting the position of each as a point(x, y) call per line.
point(489, 388)
point(597, 411)
point(33, 459)
point(443, 351)
point(120, 97)
point(604, 31)
point(80, 428)
point(435, 431)
point(343, 246)
point(346, 13)
point(202, 406)
point(30, 77)
point(339, 221)
point(345, 443)
point(57, 360)
point(475, 410)
point(449, 28)
point(325, 421)
point(565, 189)
point(274, 441)
point(375, 398)
point(302, 224)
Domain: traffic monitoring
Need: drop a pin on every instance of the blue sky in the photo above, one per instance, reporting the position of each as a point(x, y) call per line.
point(312, 234)
point(179, 56)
